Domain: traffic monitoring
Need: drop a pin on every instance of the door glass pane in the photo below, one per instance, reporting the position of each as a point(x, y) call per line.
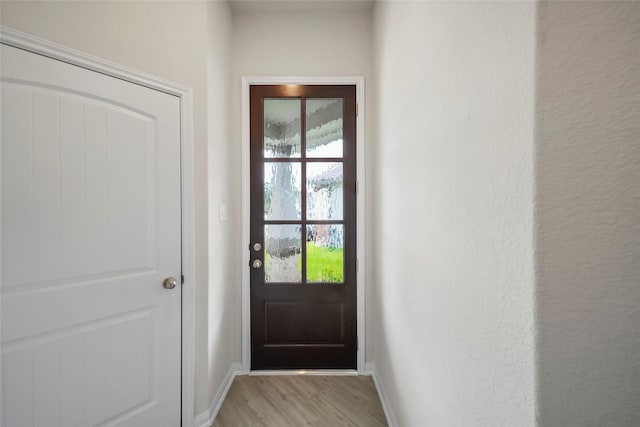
point(282, 253)
point(325, 254)
point(324, 191)
point(281, 128)
point(282, 191)
point(324, 127)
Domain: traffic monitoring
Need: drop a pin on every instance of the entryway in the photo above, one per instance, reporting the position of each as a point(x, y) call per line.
point(303, 227)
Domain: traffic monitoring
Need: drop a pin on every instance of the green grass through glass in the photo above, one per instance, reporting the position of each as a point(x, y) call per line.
point(323, 264)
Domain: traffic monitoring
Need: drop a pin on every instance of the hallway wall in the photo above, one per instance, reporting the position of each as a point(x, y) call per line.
point(588, 213)
point(453, 212)
point(223, 329)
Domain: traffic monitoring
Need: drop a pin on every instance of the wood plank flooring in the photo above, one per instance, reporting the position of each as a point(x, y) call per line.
point(297, 400)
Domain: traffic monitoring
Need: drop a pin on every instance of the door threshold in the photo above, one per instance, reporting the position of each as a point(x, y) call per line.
point(319, 372)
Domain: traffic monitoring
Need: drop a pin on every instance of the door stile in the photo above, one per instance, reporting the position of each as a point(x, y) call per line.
point(303, 188)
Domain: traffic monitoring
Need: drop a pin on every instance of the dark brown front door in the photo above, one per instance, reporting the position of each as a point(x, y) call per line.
point(303, 227)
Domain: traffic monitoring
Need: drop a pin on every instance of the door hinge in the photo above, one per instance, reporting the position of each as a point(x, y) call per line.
point(357, 188)
point(357, 265)
point(357, 104)
point(182, 279)
point(357, 344)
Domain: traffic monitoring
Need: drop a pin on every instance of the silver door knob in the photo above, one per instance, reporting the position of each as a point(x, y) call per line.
point(257, 247)
point(169, 283)
point(256, 263)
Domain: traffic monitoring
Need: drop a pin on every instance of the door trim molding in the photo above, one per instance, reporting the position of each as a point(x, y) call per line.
point(71, 56)
point(359, 82)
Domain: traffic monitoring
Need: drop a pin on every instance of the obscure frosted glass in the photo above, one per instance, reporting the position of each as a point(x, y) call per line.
point(282, 252)
point(325, 254)
point(324, 127)
point(282, 192)
point(324, 191)
point(281, 128)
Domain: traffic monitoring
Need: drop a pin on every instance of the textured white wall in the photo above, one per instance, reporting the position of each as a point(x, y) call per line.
point(224, 343)
point(172, 40)
point(588, 213)
point(453, 296)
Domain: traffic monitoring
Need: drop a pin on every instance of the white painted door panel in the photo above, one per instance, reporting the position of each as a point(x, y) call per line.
point(90, 229)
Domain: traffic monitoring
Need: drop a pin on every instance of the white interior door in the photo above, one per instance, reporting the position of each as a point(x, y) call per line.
point(90, 229)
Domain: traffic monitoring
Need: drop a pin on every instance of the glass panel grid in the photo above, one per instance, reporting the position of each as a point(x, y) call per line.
point(281, 128)
point(324, 127)
point(282, 253)
point(282, 191)
point(324, 187)
point(321, 259)
point(325, 253)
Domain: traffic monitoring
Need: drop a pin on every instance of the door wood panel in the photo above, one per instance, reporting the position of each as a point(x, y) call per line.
point(303, 309)
point(90, 228)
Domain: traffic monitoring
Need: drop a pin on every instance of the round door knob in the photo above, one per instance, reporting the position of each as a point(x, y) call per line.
point(256, 263)
point(169, 283)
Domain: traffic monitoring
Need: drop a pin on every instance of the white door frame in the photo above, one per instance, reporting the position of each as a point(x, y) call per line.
point(62, 53)
point(358, 81)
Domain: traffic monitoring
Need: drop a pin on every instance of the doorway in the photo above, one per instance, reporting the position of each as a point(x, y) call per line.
point(90, 285)
point(303, 291)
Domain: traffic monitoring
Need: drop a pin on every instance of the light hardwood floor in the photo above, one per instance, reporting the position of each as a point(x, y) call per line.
point(296, 400)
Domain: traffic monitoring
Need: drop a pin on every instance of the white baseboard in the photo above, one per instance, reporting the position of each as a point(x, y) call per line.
point(307, 372)
point(206, 418)
point(370, 369)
